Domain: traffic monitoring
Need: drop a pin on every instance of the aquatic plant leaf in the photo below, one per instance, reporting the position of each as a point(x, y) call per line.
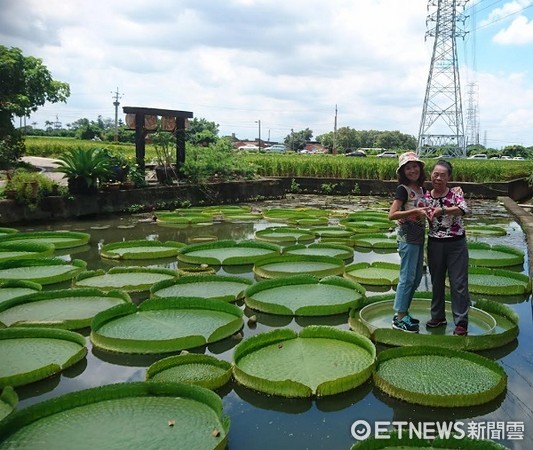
point(286, 265)
point(42, 271)
point(141, 249)
point(60, 239)
point(486, 255)
point(227, 252)
point(8, 402)
point(377, 273)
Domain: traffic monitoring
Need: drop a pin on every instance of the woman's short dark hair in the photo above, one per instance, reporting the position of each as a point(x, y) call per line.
point(402, 178)
point(446, 164)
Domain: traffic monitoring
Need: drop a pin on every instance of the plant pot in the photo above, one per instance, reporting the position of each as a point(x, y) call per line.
point(80, 186)
point(110, 186)
point(127, 185)
point(166, 174)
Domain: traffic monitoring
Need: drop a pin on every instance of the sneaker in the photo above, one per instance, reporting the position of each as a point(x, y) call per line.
point(460, 331)
point(404, 324)
point(434, 323)
point(413, 320)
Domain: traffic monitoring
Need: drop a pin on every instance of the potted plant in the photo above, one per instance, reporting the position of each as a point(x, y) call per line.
point(165, 169)
point(28, 188)
point(84, 168)
point(134, 178)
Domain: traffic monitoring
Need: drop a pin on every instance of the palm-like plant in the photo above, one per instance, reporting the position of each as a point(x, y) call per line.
point(84, 168)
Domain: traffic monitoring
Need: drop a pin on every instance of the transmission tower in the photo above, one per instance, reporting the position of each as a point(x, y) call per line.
point(117, 96)
point(472, 116)
point(441, 126)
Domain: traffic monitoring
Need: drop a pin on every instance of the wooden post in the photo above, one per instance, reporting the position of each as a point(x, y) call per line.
point(180, 144)
point(140, 142)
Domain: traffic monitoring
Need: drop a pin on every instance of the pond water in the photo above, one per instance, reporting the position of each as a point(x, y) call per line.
point(259, 421)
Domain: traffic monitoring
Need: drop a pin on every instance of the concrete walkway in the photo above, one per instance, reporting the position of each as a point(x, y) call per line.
point(48, 167)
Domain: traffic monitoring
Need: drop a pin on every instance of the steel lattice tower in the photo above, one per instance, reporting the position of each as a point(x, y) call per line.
point(441, 126)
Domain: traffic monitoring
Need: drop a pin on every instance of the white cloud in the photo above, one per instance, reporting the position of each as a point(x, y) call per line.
point(519, 32)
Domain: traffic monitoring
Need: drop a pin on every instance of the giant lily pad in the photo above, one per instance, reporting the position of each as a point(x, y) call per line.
point(6, 231)
point(142, 249)
point(31, 354)
point(25, 250)
point(436, 376)
point(303, 295)
point(377, 273)
point(8, 402)
point(60, 239)
point(491, 324)
point(375, 240)
point(130, 279)
point(184, 218)
point(281, 266)
point(320, 361)
point(165, 325)
point(227, 252)
point(321, 249)
point(485, 230)
point(67, 308)
point(487, 281)
point(130, 415)
point(42, 270)
point(202, 370)
point(332, 232)
point(14, 289)
point(285, 235)
point(225, 288)
point(486, 255)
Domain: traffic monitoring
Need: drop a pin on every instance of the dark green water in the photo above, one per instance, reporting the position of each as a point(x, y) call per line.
point(259, 421)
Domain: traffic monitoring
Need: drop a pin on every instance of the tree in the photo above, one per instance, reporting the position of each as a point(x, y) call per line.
point(297, 140)
point(202, 132)
point(25, 85)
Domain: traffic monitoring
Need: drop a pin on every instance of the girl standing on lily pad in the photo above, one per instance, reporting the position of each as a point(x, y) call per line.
point(409, 209)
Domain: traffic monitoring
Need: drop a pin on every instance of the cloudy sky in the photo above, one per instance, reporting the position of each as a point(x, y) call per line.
point(286, 63)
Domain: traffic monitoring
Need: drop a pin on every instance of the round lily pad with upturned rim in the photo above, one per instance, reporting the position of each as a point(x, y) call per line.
point(217, 287)
point(331, 232)
point(483, 280)
point(141, 249)
point(377, 273)
point(60, 239)
point(130, 279)
point(485, 230)
point(31, 354)
point(487, 255)
point(42, 270)
point(442, 377)
point(15, 288)
point(483, 334)
point(202, 370)
point(286, 265)
point(67, 308)
point(227, 252)
point(303, 295)
point(285, 235)
point(25, 250)
point(320, 249)
point(163, 325)
point(8, 402)
point(6, 231)
point(375, 240)
point(320, 360)
point(126, 415)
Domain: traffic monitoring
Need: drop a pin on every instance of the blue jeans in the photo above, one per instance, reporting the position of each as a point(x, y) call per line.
point(411, 269)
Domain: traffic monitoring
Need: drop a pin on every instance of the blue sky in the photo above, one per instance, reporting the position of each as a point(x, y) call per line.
point(284, 62)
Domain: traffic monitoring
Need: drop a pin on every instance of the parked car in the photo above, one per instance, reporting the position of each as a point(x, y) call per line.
point(518, 158)
point(358, 153)
point(479, 156)
point(248, 147)
point(388, 154)
point(275, 148)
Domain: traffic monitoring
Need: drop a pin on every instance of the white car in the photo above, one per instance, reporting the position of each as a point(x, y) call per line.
point(388, 154)
point(479, 156)
point(275, 148)
point(248, 147)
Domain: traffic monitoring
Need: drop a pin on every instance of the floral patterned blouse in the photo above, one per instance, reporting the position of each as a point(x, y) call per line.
point(447, 226)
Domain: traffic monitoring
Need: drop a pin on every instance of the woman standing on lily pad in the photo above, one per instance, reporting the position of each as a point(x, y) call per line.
point(409, 209)
point(447, 249)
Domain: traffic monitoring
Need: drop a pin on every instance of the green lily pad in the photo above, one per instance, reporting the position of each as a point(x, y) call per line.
point(8, 402)
point(308, 221)
point(320, 360)
point(42, 270)
point(31, 354)
point(67, 308)
point(227, 252)
point(60, 239)
point(487, 281)
point(14, 289)
point(331, 232)
point(377, 273)
point(375, 240)
point(176, 217)
point(218, 287)
point(485, 230)
point(303, 295)
point(129, 279)
point(202, 370)
point(285, 235)
point(241, 217)
point(5, 230)
point(436, 376)
point(285, 265)
point(284, 214)
point(491, 324)
point(320, 249)
point(127, 415)
point(142, 249)
point(25, 250)
point(486, 255)
point(164, 325)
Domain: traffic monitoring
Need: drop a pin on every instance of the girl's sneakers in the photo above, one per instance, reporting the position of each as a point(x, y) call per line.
point(406, 323)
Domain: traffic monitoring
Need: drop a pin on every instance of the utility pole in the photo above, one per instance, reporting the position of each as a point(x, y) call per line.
point(117, 96)
point(441, 126)
point(334, 150)
point(259, 143)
